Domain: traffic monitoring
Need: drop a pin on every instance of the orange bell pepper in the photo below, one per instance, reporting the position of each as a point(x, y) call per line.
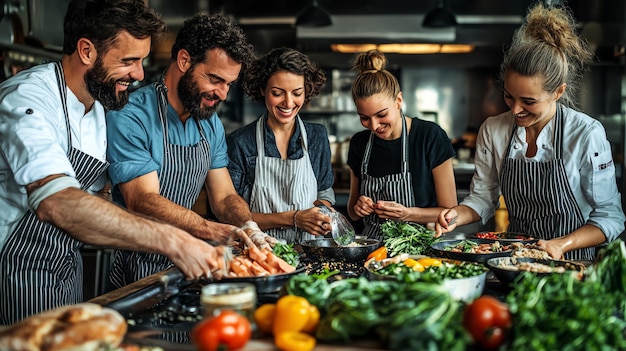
point(378, 254)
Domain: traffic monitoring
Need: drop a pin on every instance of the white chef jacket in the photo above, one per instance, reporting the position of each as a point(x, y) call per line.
point(587, 159)
point(33, 137)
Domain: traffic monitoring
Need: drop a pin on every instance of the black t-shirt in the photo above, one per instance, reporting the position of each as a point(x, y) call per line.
point(429, 146)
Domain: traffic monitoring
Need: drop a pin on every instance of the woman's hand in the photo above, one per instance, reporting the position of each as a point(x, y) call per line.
point(446, 221)
point(364, 206)
point(391, 210)
point(552, 248)
point(313, 221)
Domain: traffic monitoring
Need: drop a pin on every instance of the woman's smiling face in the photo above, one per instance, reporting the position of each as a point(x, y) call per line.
point(381, 114)
point(531, 105)
point(284, 96)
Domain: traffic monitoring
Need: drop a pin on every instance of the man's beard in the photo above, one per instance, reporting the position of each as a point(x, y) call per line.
point(189, 94)
point(104, 91)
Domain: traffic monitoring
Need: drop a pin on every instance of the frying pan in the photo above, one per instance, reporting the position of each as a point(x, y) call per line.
point(268, 283)
point(506, 237)
point(439, 249)
point(326, 249)
point(507, 276)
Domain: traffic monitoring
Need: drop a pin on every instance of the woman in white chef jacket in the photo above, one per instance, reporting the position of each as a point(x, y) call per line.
point(552, 163)
point(279, 163)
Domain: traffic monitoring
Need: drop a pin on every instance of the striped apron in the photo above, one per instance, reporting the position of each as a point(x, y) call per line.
point(41, 265)
point(182, 175)
point(283, 185)
point(394, 187)
point(539, 198)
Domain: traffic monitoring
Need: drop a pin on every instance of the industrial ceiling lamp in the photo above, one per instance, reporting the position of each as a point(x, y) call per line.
point(313, 16)
point(439, 17)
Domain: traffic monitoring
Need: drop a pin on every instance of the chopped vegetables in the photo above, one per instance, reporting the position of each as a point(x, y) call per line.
point(287, 253)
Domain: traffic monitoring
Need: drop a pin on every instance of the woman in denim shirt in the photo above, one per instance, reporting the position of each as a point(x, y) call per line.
point(279, 163)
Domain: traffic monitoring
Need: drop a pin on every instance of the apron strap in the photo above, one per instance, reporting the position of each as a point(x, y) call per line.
point(62, 90)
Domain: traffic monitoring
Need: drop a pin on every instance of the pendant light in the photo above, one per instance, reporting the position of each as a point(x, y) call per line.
point(439, 17)
point(313, 16)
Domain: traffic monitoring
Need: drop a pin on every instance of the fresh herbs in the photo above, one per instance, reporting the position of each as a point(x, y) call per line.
point(403, 237)
point(561, 312)
point(609, 270)
point(287, 253)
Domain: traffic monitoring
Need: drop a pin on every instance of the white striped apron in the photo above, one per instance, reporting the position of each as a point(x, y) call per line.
point(182, 175)
point(283, 185)
point(41, 265)
point(394, 187)
point(538, 196)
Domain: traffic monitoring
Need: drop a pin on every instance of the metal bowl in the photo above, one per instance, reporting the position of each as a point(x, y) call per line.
point(508, 276)
point(439, 249)
point(267, 283)
point(462, 289)
point(327, 249)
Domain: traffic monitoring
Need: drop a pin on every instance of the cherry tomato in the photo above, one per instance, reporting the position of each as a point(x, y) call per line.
point(488, 321)
point(228, 329)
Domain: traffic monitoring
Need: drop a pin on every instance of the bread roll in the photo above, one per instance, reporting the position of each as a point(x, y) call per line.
point(84, 326)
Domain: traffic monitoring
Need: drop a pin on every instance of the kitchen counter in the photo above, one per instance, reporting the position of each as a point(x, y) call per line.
point(169, 324)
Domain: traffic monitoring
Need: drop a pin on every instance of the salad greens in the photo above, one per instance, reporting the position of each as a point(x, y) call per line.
point(287, 253)
point(404, 237)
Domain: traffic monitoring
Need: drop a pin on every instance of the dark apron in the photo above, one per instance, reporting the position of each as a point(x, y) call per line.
point(183, 173)
point(394, 187)
point(539, 198)
point(41, 265)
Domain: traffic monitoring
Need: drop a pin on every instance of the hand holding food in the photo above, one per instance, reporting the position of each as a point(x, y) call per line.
point(446, 221)
point(257, 236)
point(364, 206)
point(391, 210)
point(315, 220)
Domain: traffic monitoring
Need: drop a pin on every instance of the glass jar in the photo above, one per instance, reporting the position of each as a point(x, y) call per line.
point(239, 297)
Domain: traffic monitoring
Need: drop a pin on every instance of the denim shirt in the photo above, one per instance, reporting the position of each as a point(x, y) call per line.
point(242, 153)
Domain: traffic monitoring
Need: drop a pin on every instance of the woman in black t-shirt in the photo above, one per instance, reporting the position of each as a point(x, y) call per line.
point(401, 167)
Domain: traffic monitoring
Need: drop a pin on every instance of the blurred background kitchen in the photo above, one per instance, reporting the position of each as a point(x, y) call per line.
point(449, 79)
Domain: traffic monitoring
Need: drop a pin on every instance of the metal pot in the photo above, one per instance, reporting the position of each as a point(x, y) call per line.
point(327, 249)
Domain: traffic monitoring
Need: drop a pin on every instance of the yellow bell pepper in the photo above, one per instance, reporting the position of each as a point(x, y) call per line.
point(292, 314)
point(294, 341)
point(429, 261)
point(411, 263)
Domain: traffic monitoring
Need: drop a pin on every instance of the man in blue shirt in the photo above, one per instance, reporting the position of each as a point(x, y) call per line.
point(53, 144)
point(168, 142)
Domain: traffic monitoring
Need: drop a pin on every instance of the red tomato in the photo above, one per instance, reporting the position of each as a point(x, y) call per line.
point(229, 329)
point(488, 321)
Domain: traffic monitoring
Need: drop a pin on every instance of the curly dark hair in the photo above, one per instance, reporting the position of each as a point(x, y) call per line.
point(279, 60)
point(202, 33)
point(102, 20)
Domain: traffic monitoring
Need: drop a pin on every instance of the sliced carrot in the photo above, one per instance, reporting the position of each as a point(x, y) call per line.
point(283, 266)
